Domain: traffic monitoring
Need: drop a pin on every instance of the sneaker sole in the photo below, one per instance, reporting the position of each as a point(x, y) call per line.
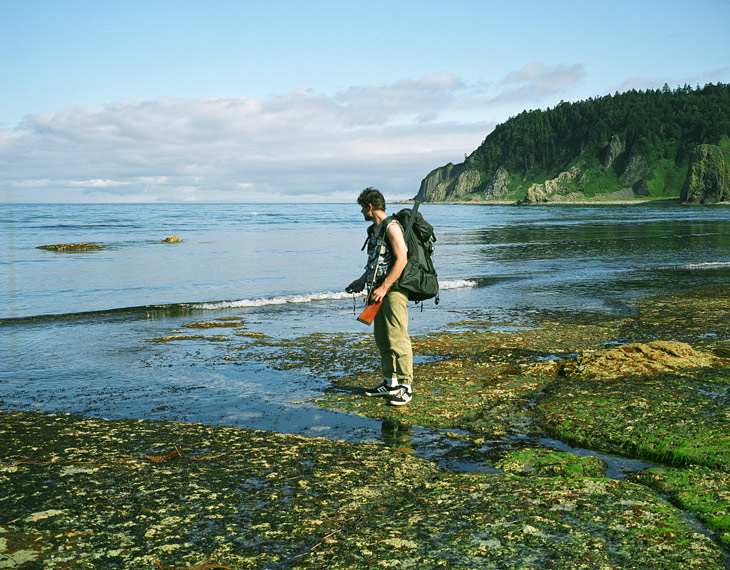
point(399, 403)
point(376, 394)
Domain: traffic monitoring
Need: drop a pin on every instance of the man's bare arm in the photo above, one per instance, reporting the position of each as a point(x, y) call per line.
point(398, 244)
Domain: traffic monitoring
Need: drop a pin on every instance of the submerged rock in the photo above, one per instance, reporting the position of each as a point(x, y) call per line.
point(70, 246)
point(172, 239)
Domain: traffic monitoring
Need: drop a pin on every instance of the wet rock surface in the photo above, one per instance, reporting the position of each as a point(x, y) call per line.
point(89, 493)
point(70, 246)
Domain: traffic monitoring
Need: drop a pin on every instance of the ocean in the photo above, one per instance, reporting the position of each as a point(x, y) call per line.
point(75, 327)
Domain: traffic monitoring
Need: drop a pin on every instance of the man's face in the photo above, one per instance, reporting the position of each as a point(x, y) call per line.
point(367, 212)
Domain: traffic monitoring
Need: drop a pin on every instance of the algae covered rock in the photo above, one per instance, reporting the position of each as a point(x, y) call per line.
point(639, 358)
point(70, 246)
point(542, 462)
point(697, 489)
point(172, 239)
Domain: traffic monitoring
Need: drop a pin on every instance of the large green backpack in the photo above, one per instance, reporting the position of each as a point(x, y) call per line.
point(419, 277)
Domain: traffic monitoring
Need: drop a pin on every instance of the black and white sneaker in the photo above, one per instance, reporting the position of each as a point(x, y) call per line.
point(404, 395)
point(383, 389)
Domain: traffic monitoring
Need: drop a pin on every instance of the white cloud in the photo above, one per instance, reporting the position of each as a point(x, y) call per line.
point(97, 183)
point(542, 77)
point(153, 179)
point(536, 83)
point(282, 148)
point(424, 98)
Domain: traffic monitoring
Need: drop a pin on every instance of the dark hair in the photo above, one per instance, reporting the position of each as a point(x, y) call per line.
point(371, 196)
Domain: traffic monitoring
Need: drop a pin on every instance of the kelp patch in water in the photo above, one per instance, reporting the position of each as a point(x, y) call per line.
point(328, 355)
point(70, 246)
point(225, 322)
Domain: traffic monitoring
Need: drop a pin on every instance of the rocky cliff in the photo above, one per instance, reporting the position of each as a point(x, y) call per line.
point(708, 178)
point(449, 183)
point(633, 145)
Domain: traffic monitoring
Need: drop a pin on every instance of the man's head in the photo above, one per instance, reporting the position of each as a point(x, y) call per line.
point(371, 196)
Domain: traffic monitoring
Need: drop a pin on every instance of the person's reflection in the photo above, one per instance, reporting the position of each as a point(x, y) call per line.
point(395, 434)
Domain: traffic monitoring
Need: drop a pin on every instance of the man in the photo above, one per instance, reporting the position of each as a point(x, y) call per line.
point(387, 257)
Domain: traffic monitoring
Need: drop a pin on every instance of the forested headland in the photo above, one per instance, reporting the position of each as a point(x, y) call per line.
point(638, 145)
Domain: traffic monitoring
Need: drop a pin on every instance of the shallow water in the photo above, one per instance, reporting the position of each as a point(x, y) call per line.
point(75, 327)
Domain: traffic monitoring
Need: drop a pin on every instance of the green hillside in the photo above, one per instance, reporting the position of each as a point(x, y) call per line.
point(632, 145)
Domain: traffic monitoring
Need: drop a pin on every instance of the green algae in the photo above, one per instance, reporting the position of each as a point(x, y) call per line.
point(213, 324)
point(124, 492)
point(181, 337)
point(699, 317)
point(543, 462)
point(699, 490)
point(328, 355)
point(485, 398)
point(225, 322)
point(668, 418)
point(659, 401)
point(503, 521)
point(88, 493)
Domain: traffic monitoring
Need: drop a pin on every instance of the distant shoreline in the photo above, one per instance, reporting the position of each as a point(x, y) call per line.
point(564, 203)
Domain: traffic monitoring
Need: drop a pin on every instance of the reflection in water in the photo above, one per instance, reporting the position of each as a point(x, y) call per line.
point(395, 434)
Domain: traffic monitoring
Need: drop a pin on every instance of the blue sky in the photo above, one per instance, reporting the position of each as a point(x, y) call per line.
point(273, 100)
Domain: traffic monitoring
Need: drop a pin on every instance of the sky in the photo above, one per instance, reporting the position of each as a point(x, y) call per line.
point(308, 100)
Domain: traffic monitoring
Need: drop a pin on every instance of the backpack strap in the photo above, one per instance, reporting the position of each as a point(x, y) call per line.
point(383, 228)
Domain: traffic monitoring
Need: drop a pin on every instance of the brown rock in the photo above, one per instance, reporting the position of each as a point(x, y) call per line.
point(640, 358)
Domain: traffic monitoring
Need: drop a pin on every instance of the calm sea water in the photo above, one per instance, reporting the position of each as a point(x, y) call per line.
point(74, 326)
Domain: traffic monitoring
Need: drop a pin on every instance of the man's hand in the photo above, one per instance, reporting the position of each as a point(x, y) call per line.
point(379, 294)
point(356, 286)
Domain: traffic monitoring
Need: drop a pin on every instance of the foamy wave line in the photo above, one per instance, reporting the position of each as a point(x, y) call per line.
point(267, 301)
point(458, 284)
point(307, 298)
point(702, 265)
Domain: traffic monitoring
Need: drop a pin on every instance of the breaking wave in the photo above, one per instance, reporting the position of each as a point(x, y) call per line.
point(309, 297)
point(685, 266)
point(184, 308)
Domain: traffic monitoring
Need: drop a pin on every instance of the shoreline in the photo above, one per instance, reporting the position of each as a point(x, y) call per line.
point(672, 201)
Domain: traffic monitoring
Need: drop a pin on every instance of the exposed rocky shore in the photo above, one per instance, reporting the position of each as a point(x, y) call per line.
point(90, 493)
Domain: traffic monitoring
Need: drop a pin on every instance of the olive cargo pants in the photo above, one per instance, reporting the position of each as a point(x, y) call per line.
point(391, 337)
